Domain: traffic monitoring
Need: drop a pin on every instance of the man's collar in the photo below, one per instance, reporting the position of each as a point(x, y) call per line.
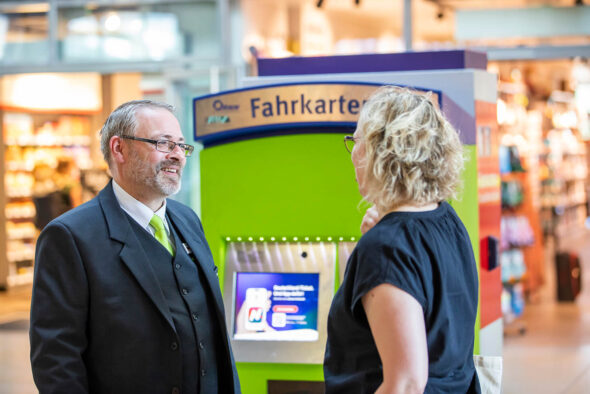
point(140, 212)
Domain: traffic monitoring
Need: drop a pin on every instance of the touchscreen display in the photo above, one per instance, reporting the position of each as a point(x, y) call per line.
point(276, 306)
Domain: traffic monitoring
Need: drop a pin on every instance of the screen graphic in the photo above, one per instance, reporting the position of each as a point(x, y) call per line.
point(273, 306)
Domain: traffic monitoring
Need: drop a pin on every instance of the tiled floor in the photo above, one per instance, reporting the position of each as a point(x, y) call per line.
point(553, 356)
point(15, 371)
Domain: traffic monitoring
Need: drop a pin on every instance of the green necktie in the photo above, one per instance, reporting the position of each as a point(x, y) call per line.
point(161, 235)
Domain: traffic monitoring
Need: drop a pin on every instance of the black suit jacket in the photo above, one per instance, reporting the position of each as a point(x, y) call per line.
point(99, 320)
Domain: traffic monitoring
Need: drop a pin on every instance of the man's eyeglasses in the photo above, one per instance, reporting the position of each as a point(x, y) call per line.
point(349, 141)
point(165, 146)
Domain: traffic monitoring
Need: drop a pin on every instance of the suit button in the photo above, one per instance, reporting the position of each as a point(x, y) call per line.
point(201, 345)
point(184, 291)
point(175, 390)
point(203, 372)
point(177, 266)
point(174, 346)
point(195, 316)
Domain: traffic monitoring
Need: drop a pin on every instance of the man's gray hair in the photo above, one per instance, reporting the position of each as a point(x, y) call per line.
point(123, 122)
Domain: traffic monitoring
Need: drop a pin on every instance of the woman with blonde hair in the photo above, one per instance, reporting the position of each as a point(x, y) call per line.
point(403, 319)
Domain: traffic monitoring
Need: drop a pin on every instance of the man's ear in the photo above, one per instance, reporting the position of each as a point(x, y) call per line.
point(117, 149)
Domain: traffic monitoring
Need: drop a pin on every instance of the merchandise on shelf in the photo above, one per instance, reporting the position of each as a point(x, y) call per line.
point(509, 159)
point(513, 266)
point(513, 302)
point(19, 251)
point(16, 231)
point(18, 184)
point(516, 232)
point(20, 210)
point(512, 193)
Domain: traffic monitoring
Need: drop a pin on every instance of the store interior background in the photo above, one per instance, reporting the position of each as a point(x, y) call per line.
point(66, 64)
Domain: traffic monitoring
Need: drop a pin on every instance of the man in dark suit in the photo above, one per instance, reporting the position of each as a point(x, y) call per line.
point(126, 298)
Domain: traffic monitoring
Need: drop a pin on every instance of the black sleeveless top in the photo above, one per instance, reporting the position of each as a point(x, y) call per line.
point(429, 256)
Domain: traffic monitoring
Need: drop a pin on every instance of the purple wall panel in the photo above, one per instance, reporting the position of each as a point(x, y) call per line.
point(407, 61)
point(463, 122)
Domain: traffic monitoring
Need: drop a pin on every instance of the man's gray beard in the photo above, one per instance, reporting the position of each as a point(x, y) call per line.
point(142, 172)
point(166, 187)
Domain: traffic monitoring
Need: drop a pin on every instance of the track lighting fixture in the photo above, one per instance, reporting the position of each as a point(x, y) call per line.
point(319, 3)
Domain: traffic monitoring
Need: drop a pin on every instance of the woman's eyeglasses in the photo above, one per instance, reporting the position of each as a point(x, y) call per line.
point(349, 141)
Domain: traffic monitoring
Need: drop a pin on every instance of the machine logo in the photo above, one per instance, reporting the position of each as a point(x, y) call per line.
point(255, 314)
point(219, 105)
point(217, 119)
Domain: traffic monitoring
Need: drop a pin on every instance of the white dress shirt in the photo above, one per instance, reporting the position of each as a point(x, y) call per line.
point(140, 212)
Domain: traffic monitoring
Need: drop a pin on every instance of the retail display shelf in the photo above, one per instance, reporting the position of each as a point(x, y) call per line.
point(48, 145)
point(11, 167)
point(575, 179)
point(564, 153)
point(15, 196)
point(43, 141)
point(513, 281)
point(567, 205)
point(20, 279)
point(42, 111)
point(21, 217)
point(21, 237)
point(29, 233)
point(14, 257)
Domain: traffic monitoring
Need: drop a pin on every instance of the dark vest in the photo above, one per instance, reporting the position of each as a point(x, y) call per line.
point(186, 292)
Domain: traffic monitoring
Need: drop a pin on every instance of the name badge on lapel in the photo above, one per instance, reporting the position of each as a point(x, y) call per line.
point(188, 251)
point(194, 258)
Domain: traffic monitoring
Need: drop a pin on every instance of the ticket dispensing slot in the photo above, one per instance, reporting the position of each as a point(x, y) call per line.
point(277, 296)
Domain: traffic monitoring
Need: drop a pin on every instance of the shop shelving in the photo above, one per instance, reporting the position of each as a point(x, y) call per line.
point(521, 244)
point(31, 137)
point(564, 173)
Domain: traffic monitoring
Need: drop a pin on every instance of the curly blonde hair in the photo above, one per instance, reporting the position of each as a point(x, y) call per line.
point(413, 154)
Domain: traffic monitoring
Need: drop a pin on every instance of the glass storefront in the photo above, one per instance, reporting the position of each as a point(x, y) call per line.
point(138, 32)
point(24, 33)
point(70, 33)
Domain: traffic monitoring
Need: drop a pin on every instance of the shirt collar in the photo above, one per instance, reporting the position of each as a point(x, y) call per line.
point(138, 211)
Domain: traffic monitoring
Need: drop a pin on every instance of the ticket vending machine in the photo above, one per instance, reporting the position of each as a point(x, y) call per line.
point(281, 212)
point(460, 76)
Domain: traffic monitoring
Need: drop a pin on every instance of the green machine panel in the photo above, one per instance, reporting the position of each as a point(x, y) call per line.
point(292, 186)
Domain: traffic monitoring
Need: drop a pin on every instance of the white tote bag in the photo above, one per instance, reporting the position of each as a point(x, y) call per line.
point(489, 372)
